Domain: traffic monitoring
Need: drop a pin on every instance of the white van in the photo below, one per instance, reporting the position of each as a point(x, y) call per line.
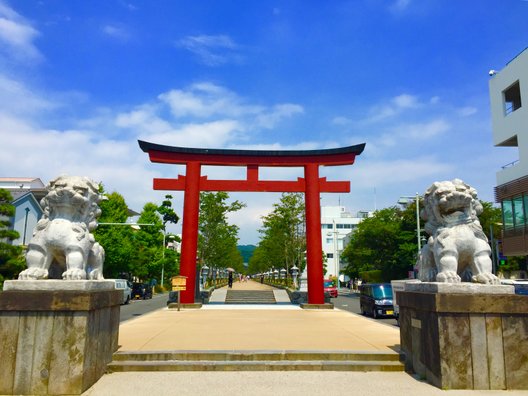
point(122, 284)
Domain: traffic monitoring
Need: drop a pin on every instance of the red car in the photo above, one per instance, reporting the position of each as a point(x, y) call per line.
point(330, 288)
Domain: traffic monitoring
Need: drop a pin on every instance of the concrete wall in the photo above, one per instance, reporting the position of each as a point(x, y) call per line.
point(505, 126)
point(466, 341)
point(56, 342)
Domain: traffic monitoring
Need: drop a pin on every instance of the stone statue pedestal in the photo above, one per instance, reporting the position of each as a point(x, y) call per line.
point(56, 336)
point(465, 336)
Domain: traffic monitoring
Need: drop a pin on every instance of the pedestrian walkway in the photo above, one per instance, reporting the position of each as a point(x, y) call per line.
point(249, 292)
point(256, 327)
point(263, 328)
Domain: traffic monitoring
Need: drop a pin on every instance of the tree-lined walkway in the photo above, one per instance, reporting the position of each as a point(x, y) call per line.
point(249, 292)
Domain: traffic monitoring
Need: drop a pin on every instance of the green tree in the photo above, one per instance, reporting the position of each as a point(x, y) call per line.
point(217, 239)
point(149, 244)
point(11, 258)
point(117, 241)
point(169, 261)
point(387, 241)
point(491, 220)
point(283, 241)
point(383, 242)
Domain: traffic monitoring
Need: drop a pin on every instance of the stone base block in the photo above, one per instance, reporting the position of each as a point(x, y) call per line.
point(56, 341)
point(467, 339)
point(317, 306)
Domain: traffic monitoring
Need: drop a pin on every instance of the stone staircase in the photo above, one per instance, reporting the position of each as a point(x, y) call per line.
point(255, 361)
point(250, 297)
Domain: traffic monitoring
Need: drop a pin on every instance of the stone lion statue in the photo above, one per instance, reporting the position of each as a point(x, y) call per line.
point(457, 248)
point(62, 245)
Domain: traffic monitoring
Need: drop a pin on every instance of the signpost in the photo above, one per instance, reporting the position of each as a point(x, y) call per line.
point(179, 283)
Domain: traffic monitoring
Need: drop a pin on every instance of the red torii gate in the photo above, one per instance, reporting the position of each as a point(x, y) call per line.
point(311, 185)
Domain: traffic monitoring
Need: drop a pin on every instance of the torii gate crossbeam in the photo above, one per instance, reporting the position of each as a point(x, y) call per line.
point(311, 185)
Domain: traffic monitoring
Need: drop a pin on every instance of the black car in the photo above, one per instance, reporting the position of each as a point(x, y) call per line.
point(376, 299)
point(141, 290)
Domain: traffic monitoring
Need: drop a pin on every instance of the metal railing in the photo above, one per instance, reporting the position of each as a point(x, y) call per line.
point(509, 165)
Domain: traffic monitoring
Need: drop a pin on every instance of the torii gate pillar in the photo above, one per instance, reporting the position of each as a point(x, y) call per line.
point(314, 248)
point(311, 185)
point(191, 208)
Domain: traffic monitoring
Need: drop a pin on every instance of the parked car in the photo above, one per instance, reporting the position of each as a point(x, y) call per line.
point(376, 299)
point(141, 290)
point(122, 284)
point(520, 285)
point(330, 288)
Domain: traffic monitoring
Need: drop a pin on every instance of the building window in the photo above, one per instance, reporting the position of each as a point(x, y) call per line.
point(507, 213)
point(329, 240)
point(512, 98)
point(525, 199)
point(327, 226)
point(329, 255)
point(518, 212)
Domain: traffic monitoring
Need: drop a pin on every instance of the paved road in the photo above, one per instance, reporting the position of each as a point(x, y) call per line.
point(346, 301)
point(350, 302)
point(140, 307)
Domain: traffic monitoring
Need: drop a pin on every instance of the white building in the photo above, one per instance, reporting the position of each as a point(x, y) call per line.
point(336, 225)
point(508, 89)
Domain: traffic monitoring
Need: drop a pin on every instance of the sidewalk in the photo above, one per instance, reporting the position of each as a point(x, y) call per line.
point(262, 327)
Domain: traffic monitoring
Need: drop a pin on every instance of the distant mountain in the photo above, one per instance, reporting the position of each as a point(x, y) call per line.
point(246, 251)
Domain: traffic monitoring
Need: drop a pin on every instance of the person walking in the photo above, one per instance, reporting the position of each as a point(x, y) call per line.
point(230, 279)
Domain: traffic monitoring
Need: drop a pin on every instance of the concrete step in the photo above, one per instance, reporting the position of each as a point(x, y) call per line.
point(250, 297)
point(269, 365)
point(255, 355)
point(255, 361)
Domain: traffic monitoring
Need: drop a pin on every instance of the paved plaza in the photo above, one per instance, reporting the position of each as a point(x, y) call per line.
point(278, 327)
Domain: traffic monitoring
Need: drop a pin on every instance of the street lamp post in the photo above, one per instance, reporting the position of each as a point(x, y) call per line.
point(163, 259)
point(163, 256)
point(336, 252)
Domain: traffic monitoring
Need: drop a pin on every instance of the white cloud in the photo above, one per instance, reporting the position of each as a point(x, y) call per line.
point(390, 173)
point(212, 50)
point(400, 5)
point(405, 101)
point(424, 131)
point(215, 134)
point(340, 120)
point(467, 111)
point(16, 36)
point(116, 32)
point(271, 118)
point(16, 98)
point(396, 106)
point(206, 100)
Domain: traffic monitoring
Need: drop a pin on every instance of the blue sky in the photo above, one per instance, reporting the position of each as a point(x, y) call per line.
point(81, 81)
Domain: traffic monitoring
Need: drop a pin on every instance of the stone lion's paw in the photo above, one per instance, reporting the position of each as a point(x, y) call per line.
point(96, 275)
point(448, 277)
point(74, 274)
point(33, 273)
point(486, 278)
